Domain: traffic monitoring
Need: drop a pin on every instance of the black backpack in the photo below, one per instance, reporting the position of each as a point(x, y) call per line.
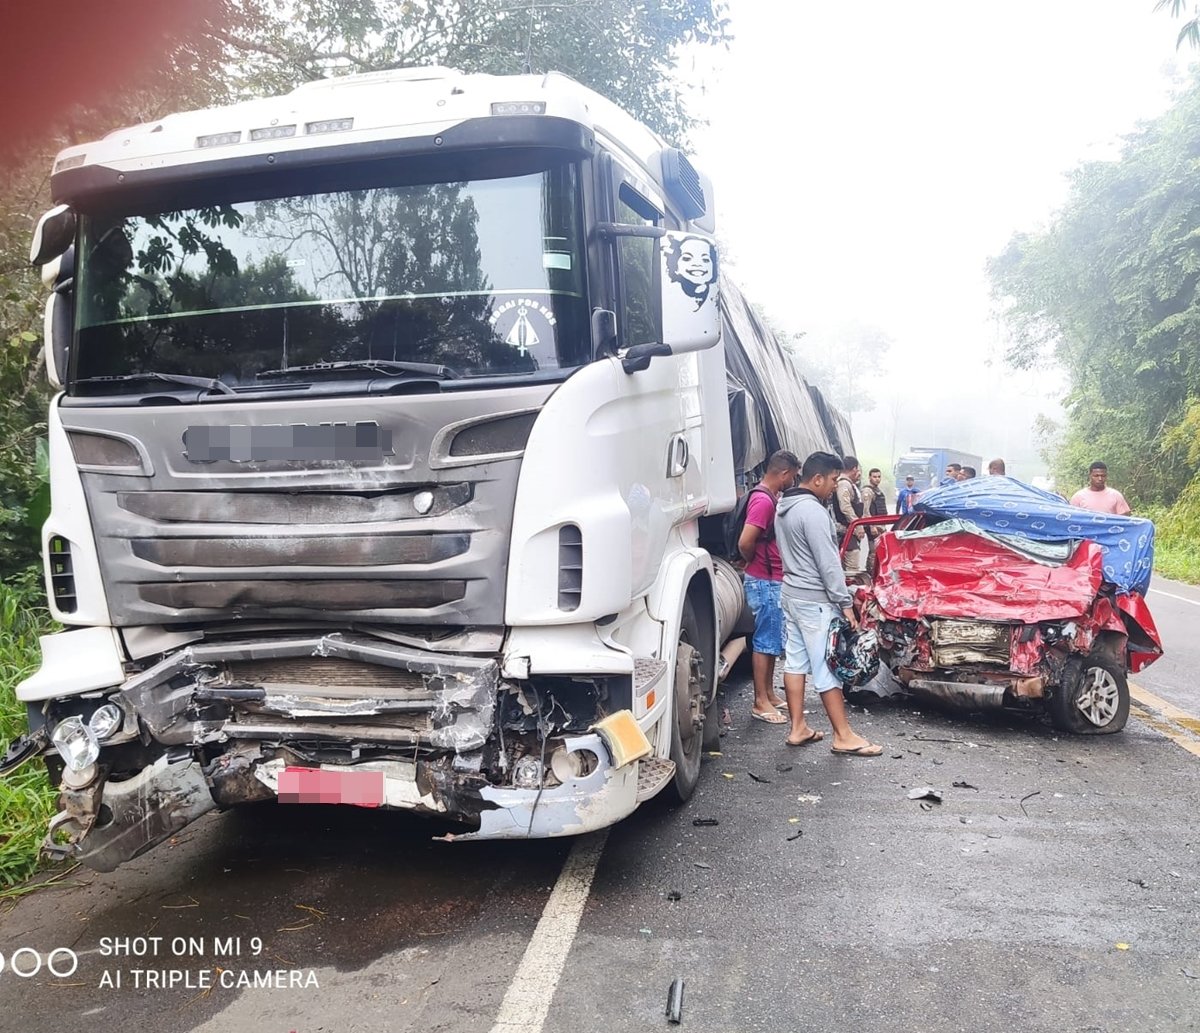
point(736, 521)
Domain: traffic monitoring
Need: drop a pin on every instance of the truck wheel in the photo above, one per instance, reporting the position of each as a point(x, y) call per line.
point(693, 684)
point(1093, 698)
point(712, 725)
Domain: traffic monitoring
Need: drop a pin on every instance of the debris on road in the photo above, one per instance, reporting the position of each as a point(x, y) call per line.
point(1029, 796)
point(674, 895)
point(1189, 973)
point(964, 785)
point(758, 778)
point(675, 1002)
point(925, 793)
point(795, 835)
point(808, 798)
point(1140, 883)
point(783, 769)
point(705, 822)
point(1122, 946)
point(701, 864)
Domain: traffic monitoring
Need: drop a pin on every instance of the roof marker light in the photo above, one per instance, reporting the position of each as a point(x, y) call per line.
point(329, 125)
point(219, 139)
point(273, 132)
point(519, 107)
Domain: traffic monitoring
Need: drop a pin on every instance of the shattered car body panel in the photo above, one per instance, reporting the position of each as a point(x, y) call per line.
point(970, 616)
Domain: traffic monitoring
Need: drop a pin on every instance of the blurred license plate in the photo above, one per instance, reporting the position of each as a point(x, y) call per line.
point(318, 785)
point(323, 443)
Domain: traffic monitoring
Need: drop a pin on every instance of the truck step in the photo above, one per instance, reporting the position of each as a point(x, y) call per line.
point(647, 672)
point(653, 775)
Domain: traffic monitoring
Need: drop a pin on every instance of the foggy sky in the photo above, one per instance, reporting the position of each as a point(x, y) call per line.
point(869, 157)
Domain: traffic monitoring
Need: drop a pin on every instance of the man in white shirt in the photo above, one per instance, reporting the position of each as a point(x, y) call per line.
point(1097, 496)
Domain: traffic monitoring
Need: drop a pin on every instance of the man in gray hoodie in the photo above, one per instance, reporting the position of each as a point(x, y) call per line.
point(814, 592)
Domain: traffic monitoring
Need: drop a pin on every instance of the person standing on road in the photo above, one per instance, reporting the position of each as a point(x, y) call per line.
point(906, 496)
point(814, 594)
point(874, 504)
point(847, 507)
point(763, 581)
point(1098, 496)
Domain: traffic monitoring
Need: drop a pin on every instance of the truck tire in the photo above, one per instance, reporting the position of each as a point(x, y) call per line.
point(1093, 698)
point(691, 687)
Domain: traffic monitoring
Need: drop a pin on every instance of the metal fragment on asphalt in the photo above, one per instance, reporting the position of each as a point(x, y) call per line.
point(675, 1002)
point(925, 793)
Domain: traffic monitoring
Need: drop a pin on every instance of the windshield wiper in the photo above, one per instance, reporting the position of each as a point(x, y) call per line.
point(385, 366)
point(170, 378)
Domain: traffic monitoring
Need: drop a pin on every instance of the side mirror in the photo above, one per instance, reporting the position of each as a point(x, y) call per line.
point(54, 233)
point(689, 288)
point(56, 337)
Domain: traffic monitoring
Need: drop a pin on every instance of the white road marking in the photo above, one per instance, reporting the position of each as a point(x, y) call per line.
point(1172, 595)
point(527, 1001)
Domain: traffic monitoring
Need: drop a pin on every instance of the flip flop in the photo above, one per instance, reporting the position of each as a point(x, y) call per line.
point(812, 737)
point(774, 718)
point(870, 750)
point(781, 706)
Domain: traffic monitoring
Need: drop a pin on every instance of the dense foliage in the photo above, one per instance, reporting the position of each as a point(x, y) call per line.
point(1111, 292)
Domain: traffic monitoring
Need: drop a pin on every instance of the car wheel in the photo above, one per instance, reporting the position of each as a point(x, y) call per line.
point(693, 685)
point(1093, 698)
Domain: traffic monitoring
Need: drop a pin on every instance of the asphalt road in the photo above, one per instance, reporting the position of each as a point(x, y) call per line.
point(1059, 889)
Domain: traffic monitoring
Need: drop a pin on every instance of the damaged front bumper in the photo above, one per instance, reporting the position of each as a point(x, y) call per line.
point(226, 723)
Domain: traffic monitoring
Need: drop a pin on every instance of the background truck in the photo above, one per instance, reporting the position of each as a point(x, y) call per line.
point(928, 465)
point(397, 417)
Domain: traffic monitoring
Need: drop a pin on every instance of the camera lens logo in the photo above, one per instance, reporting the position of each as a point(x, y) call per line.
point(25, 962)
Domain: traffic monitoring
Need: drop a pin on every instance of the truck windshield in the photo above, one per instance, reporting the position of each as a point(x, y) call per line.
point(484, 276)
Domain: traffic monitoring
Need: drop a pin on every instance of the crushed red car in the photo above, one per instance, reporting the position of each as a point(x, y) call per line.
point(998, 594)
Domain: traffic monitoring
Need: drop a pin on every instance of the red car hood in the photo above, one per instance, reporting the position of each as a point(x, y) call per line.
point(964, 575)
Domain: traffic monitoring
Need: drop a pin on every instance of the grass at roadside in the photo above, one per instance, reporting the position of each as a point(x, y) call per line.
point(1177, 536)
point(1178, 560)
point(26, 798)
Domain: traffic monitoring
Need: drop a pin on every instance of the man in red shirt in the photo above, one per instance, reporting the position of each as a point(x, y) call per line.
point(764, 581)
point(1097, 496)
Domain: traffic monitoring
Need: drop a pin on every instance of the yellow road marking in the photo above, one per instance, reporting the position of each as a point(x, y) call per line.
point(1167, 718)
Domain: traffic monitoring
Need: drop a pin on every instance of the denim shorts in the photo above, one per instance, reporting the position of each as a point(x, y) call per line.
point(763, 597)
point(808, 642)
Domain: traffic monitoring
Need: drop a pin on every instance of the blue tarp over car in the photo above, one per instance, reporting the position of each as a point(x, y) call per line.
point(1007, 507)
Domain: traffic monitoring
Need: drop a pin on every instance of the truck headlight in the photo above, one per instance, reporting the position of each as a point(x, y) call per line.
point(76, 743)
point(106, 721)
point(527, 773)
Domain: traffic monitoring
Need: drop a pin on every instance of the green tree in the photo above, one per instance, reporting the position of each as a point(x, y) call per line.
point(1110, 292)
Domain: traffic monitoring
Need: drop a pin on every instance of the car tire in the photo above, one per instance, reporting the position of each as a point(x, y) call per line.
point(1093, 698)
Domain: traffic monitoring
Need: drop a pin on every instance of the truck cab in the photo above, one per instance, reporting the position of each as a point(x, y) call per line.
point(388, 414)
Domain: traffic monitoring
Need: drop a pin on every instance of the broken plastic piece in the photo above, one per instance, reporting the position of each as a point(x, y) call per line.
point(925, 793)
point(624, 737)
point(674, 895)
point(705, 822)
point(675, 1002)
point(758, 778)
point(964, 785)
point(795, 835)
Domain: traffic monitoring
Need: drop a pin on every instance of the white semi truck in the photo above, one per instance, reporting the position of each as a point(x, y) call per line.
point(393, 423)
